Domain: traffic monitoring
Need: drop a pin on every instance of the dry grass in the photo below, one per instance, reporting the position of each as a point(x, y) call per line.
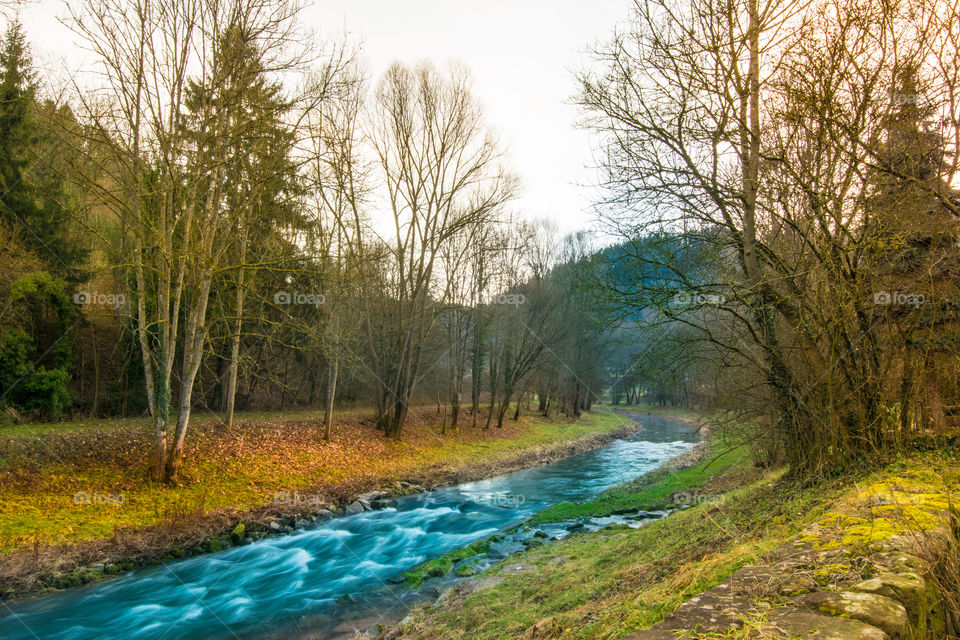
point(228, 476)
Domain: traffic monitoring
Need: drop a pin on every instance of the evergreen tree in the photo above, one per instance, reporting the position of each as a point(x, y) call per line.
point(30, 207)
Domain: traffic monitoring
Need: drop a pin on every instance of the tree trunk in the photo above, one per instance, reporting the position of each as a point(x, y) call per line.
point(331, 396)
point(193, 352)
point(234, 367)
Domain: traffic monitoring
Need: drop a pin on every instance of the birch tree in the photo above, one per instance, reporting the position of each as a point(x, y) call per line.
point(166, 108)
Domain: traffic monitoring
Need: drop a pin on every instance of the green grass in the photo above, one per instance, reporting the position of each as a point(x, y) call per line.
point(610, 583)
point(649, 492)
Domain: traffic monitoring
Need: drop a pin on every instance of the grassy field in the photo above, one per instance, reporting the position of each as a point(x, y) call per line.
point(610, 583)
point(656, 409)
point(74, 482)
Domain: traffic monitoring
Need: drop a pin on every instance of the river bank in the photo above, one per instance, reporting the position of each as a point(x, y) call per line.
point(331, 574)
point(617, 581)
point(242, 487)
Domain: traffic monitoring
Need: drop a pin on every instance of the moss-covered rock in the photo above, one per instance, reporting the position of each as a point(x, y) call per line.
point(876, 610)
point(212, 545)
point(480, 546)
point(809, 625)
point(908, 589)
point(437, 568)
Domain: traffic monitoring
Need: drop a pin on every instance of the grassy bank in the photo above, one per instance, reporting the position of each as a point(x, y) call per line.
point(49, 471)
point(65, 485)
point(609, 583)
point(661, 489)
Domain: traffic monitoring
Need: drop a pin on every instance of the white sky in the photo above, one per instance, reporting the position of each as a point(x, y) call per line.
point(521, 54)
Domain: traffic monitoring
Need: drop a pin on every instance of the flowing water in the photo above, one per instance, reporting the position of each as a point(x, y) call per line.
point(333, 576)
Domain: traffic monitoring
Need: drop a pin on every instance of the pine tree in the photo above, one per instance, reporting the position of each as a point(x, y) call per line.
point(30, 205)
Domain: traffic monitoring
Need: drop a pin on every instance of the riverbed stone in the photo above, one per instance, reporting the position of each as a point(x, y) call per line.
point(354, 508)
point(898, 562)
point(370, 496)
point(717, 610)
point(876, 610)
point(763, 581)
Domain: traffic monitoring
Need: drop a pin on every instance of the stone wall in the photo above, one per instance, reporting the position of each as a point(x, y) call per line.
point(807, 589)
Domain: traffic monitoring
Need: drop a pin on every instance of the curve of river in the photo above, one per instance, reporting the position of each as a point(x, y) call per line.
point(326, 579)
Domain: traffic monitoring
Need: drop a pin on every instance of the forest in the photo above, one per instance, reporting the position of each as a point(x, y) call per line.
point(242, 221)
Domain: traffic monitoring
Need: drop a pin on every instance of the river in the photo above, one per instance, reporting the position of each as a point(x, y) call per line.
point(328, 579)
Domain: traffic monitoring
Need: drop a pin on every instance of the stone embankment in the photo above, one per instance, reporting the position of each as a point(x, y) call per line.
point(879, 573)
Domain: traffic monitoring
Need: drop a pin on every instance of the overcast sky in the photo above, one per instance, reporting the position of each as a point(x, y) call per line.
point(521, 54)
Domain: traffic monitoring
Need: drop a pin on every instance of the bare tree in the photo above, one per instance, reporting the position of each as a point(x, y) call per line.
point(166, 111)
point(743, 143)
point(442, 174)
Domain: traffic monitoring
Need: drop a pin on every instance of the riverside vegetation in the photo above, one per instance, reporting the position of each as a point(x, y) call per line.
point(266, 467)
point(609, 583)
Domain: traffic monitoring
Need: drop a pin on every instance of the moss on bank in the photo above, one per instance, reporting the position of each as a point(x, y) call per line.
point(610, 583)
point(659, 489)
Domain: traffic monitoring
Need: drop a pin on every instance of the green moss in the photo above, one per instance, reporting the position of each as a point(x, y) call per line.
point(650, 492)
point(606, 584)
point(437, 568)
point(483, 546)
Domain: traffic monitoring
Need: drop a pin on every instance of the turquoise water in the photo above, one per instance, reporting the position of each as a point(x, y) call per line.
point(313, 582)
